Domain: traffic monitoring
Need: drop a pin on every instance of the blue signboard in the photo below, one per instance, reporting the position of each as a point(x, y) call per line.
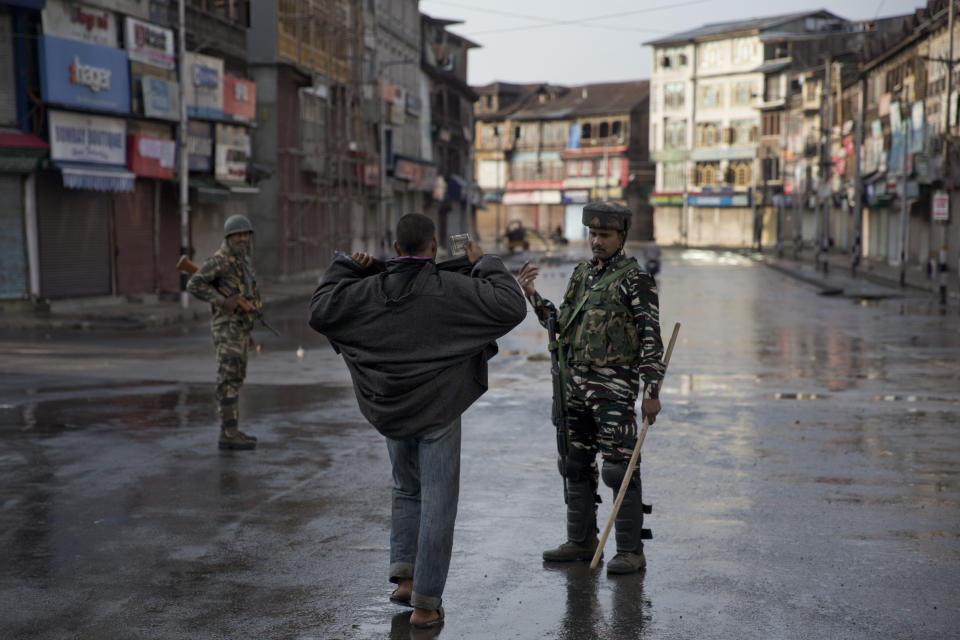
point(736, 200)
point(84, 75)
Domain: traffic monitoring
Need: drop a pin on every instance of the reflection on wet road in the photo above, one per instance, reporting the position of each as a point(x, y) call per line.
point(804, 477)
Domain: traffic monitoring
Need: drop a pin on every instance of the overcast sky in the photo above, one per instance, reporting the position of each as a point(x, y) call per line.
point(578, 41)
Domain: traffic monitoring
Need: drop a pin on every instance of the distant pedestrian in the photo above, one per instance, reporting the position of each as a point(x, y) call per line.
point(609, 331)
point(229, 268)
point(416, 337)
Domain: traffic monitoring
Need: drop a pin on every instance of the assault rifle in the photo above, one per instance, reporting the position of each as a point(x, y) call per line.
point(558, 414)
point(189, 267)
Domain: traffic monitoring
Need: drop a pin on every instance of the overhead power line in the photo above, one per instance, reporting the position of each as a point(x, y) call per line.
point(577, 21)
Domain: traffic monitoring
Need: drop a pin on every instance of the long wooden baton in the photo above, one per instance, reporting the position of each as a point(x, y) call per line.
point(633, 461)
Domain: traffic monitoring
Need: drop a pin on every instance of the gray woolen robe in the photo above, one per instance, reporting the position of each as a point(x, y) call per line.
point(416, 337)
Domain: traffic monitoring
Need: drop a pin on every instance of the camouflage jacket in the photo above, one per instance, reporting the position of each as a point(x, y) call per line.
point(230, 271)
point(638, 296)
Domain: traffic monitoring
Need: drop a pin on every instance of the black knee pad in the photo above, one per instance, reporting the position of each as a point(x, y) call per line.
point(579, 465)
point(613, 472)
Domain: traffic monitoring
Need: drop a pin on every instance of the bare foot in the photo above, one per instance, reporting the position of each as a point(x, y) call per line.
point(404, 590)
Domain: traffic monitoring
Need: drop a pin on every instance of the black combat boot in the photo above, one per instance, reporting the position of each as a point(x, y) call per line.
point(628, 523)
point(581, 513)
point(232, 438)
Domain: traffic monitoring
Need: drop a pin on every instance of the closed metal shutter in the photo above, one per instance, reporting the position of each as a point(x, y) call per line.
point(134, 238)
point(8, 85)
point(168, 278)
point(13, 254)
point(73, 229)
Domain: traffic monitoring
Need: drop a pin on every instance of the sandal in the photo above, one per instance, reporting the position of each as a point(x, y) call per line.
point(400, 598)
point(429, 624)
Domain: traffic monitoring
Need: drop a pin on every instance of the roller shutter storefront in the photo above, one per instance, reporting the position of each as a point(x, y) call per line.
point(134, 240)
point(73, 229)
point(13, 259)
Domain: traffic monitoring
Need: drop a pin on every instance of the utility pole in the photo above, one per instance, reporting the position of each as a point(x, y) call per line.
point(184, 156)
point(857, 250)
point(904, 219)
point(942, 266)
point(827, 160)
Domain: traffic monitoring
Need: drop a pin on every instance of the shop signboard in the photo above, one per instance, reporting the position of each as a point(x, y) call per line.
point(161, 98)
point(232, 153)
point(941, 206)
point(77, 74)
point(149, 43)
point(203, 89)
point(82, 22)
point(735, 200)
point(239, 98)
point(79, 137)
point(152, 157)
point(200, 146)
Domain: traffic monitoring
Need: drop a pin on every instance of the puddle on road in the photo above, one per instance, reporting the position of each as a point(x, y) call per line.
point(797, 396)
point(149, 405)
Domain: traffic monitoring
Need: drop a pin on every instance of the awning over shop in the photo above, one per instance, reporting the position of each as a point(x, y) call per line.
point(79, 175)
point(208, 192)
point(20, 152)
point(238, 187)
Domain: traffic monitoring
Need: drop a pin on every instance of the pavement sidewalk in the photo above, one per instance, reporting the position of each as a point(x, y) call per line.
point(133, 313)
point(873, 279)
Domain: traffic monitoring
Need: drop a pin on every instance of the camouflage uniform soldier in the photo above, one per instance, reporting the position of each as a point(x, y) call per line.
point(609, 325)
point(229, 268)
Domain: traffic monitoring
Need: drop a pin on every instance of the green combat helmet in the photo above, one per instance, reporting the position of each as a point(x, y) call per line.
point(607, 215)
point(236, 224)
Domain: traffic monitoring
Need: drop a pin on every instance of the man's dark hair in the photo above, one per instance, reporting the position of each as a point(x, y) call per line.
point(414, 233)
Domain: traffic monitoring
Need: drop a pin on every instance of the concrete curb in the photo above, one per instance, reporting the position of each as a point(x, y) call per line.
point(124, 317)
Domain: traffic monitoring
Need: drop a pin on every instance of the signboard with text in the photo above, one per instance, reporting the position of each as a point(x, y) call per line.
point(78, 137)
point(941, 206)
point(149, 43)
point(200, 146)
point(239, 98)
point(161, 98)
point(152, 157)
point(82, 22)
point(232, 153)
point(203, 86)
point(84, 75)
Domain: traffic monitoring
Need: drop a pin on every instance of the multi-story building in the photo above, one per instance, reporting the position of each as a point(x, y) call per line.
point(98, 83)
point(449, 179)
point(715, 90)
point(492, 144)
point(314, 141)
point(550, 149)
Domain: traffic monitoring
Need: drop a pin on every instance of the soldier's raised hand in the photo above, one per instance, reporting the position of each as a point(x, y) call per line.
point(527, 274)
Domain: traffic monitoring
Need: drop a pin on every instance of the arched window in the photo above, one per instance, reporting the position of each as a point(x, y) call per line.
point(586, 131)
point(604, 129)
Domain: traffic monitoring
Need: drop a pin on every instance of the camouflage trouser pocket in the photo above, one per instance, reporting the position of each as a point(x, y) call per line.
point(230, 343)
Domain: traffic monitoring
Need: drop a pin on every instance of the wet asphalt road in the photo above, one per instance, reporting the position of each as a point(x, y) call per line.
point(803, 475)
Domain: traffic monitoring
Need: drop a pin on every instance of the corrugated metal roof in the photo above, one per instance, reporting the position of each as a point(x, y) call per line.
point(585, 100)
point(720, 28)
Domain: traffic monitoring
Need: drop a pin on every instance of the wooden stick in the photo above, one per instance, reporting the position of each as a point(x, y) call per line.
point(631, 467)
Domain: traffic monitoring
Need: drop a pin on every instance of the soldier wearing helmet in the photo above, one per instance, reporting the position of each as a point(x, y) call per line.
point(230, 268)
point(609, 330)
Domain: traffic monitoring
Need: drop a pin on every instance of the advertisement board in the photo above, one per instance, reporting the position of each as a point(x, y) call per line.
point(88, 76)
point(79, 137)
point(149, 43)
point(76, 21)
point(203, 88)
